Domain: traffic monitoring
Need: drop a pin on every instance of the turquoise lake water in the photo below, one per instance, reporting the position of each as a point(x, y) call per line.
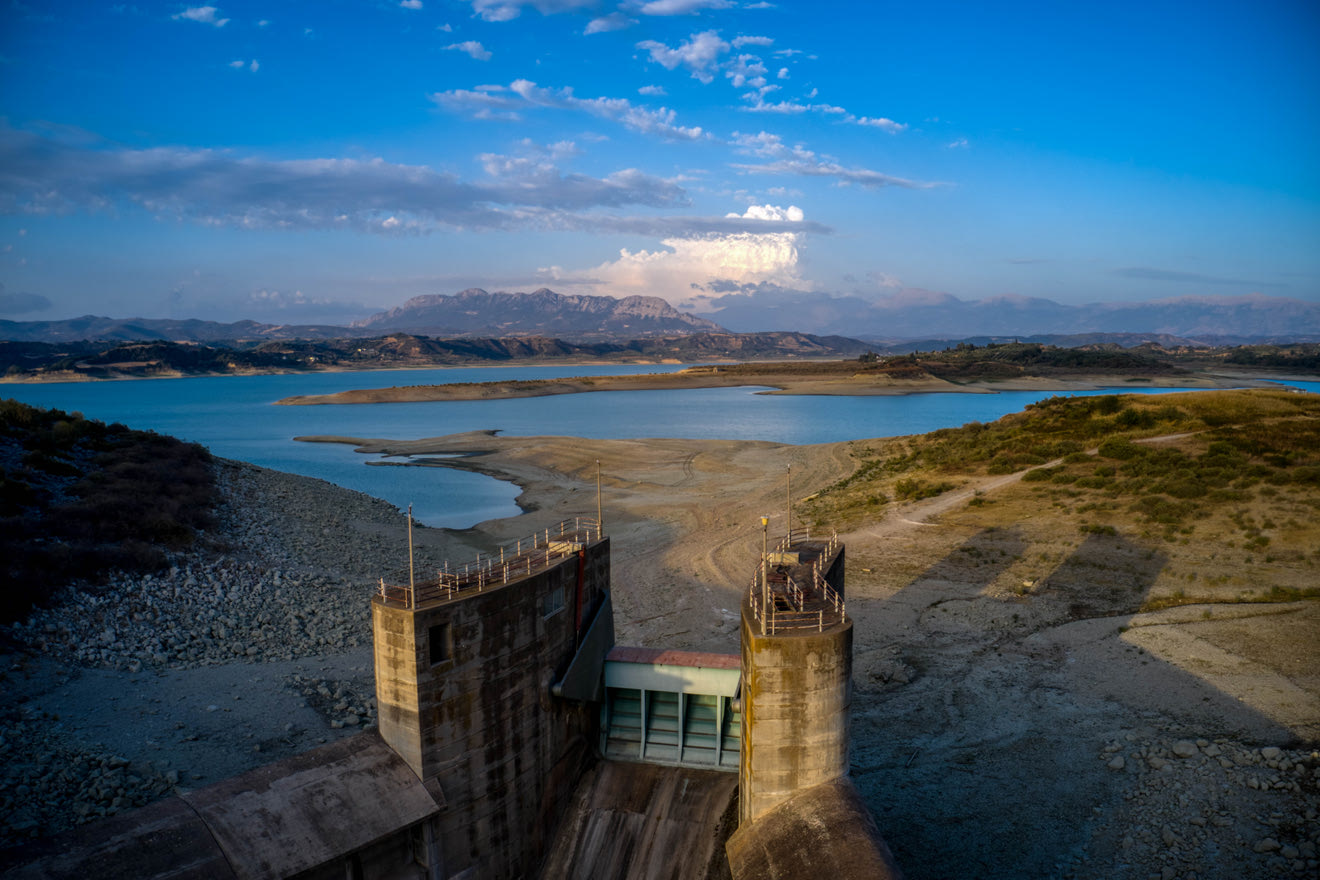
point(234, 417)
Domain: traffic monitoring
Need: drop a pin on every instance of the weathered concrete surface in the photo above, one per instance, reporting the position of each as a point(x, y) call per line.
point(316, 807)
point(476, 714)
point(307, 812)
point(796, 702)
point(645, 822)
point(824, 831)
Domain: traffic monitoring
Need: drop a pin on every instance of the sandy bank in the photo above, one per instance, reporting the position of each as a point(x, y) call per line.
point(775, 382)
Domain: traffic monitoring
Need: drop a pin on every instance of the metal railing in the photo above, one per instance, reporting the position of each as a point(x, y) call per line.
point(513, 561)
point(781, 602)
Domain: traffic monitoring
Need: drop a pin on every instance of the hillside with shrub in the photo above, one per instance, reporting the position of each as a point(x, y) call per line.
point(80, 499)
point(1225, 484)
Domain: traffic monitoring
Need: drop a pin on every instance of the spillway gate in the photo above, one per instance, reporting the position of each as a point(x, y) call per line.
point(672, 707)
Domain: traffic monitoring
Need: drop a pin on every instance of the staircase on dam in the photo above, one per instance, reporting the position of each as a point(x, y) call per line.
point(672, 707)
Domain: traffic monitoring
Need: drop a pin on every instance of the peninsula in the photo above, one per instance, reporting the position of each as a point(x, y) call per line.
point(967, 369)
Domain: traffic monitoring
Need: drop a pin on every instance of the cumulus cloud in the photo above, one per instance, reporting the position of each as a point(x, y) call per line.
point(410, 4)
point(240, 64)
point(203, 15)
point(507, 10)
point(42, 176)
point(699, 54)
point(652, 91)
point(471, 48)
point(746, 70)
point(764, 247)
point(739, 42)
point(660, 122)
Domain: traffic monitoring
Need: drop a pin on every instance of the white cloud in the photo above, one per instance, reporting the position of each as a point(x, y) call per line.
point(759, 105)
point(410, 4)
point(481, 103)
point(652, 91)
point(447, 28)
point(202, 14)
point(960, 143)
point(699, 54)
point(265, 22)
point(471, 48)
point(800, 161)
point(682, 7)
point(739, 42)
point(725, 259)
point(817, 167)
point(888, 125)
point(659, 122)
point(239, 64)
point(507, 10)
point(783, 73)
point(746, 70)
point(615, 21)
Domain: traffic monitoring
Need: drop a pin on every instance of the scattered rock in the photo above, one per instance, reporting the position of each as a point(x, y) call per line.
point(1185, 749)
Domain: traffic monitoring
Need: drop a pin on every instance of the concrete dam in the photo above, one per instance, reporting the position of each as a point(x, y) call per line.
point(517, 740)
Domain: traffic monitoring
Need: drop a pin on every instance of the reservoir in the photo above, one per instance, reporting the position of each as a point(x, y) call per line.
point(235, 417)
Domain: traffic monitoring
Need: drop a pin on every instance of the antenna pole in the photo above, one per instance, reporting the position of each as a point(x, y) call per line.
point(600, 519)
point(788, 496)
point(412, 584)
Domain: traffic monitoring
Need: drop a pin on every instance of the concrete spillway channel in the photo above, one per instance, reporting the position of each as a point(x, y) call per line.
point(634, 821)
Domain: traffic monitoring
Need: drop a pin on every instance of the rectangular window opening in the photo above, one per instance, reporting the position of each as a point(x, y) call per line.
point(440, 639)
point(552, 602)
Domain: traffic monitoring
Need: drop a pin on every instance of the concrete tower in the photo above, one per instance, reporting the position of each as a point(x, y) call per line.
point(796, 674)
point(467, 665)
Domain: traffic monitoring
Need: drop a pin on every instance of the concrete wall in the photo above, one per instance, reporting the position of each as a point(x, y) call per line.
point(796, 698)
point(480, 720)
point(823, 831)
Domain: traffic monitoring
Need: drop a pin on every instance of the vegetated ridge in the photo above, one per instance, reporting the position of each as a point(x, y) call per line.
point(79, 498)
point(96, 360)
point(1231, 476)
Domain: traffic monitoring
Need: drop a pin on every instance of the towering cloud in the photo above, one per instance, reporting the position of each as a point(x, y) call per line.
point(689, 266)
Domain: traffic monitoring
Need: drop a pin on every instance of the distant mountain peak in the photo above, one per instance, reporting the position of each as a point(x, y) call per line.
point(542, 312)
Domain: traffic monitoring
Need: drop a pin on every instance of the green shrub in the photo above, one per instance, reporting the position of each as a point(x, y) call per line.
point(1120, 448)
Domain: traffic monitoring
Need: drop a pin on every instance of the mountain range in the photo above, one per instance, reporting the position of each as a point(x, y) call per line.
point(475, 312)
point(913, 313)
point(906, 315)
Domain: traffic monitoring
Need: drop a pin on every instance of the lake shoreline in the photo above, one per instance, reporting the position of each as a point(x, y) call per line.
point(775, 383)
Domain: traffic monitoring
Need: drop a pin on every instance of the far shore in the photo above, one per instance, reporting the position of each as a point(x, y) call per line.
point(773, 381)
point(64, 376)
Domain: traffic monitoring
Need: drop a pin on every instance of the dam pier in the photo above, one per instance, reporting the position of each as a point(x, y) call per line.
point(517, 740)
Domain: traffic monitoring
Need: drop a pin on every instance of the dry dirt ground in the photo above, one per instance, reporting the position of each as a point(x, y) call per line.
point(1014, 714)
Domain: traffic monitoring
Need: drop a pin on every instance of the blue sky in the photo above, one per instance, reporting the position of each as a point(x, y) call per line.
point(300, 162)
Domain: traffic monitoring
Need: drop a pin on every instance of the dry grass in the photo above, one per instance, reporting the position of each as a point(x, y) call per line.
point(1229, 504)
